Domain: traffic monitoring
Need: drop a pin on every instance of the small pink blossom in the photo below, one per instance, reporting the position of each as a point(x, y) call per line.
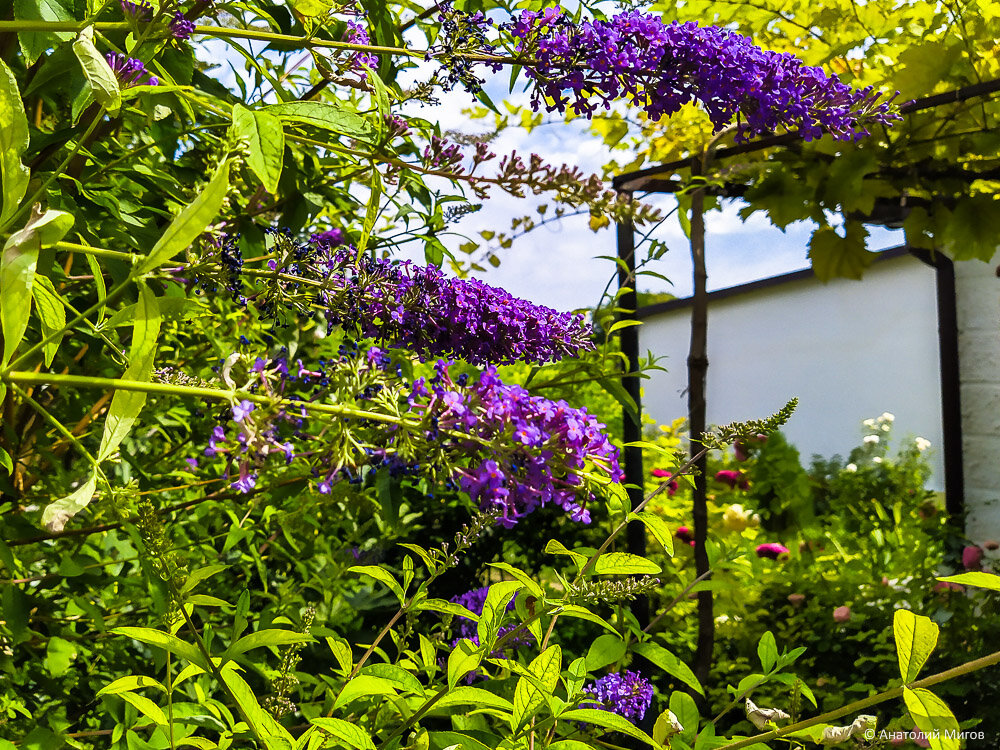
point(948, 586)
point(920, 739)
point(684, 534)
point(796, 600)
point(772, 550)
point(664, 474)
point(731, 478)
point(842, 614)
point(972, 557)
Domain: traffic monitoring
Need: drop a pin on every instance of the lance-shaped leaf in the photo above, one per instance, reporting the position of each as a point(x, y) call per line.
point(126, 405)
point(52, 314)
point(101, 78)
point(17, 272)
point(190, 222)
point(325, 116)
point(346, 731)
point(933, 718)
point(607, 720)
point(262, 722)
point(464, 658)
point(623, 563)
point(529, 695)
point(669, 663)
point(13, 142)
point(166, 641)
point(56, 514)
point(265, 141)
point(975, 578)
point(916, 636)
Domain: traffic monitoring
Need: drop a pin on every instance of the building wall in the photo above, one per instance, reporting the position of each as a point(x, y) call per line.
point(978, 306)
point(848, 350)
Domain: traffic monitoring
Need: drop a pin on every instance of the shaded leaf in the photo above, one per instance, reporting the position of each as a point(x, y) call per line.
point(265, 140)
point(13, 142)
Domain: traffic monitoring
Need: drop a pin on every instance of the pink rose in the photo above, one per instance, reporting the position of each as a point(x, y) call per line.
point(772, 550)
point(684, 534)
point(842, 614)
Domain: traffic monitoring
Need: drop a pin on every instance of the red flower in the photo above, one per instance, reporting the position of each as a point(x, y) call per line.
point(664, 474)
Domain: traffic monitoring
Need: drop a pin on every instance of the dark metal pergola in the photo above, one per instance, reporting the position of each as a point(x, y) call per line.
point(661, 179)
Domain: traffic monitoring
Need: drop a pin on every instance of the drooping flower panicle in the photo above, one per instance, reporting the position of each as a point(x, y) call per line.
point(181, 28)
point(660, 67)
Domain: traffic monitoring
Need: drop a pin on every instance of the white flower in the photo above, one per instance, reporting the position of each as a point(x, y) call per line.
point(887, 417)
point(877, 459)
point(851, 468)
point(922, 444)
point(871, 439)
point(869, 423)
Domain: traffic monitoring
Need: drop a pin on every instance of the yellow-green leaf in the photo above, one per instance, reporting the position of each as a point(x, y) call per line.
point(51, 312)
point(265, 139)
point(349, 732)
point(916, 636)
point(933, 718)
point(623, 563)
point(13, 142)
point(101, 78)
point(977, 579)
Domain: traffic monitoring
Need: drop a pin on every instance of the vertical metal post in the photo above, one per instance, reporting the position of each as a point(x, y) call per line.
point(631, 424)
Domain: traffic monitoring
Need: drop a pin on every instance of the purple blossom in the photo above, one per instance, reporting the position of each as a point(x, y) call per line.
point(129, 71)
point(421, 309)
point(330, 238)
point(242, 409)
point(137, 11)
point(181, 28)
point(247, 480)
point(627, 694)
point(357, 34)
point(660, 67)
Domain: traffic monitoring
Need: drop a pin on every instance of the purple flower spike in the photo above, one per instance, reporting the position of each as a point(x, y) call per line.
point(474, 601)
point(181, 29)
point(661, 67)
point(140, 11)
point(129, 71)
point(627, 694)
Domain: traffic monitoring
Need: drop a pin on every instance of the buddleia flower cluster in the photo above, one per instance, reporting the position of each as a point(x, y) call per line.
point(627, 694)
point(660, 67)
point(406, 305)
point(510, 451)
point(460, 33)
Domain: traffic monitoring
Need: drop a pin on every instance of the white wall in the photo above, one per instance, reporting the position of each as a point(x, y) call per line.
point(978, 300)
point(849, 350)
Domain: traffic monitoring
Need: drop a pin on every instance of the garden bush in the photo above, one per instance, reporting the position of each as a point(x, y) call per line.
point(269, 484)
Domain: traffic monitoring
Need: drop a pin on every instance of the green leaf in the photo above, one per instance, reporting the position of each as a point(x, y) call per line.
point(686, 711)
point(623, 563)
point(190, 222)
point(834, 256)
point(380, 575)
point(13, 142)
point(669, 664)
point(128, 684)
point(576, 675)
point(530, 695)
point(448, 608)
point(56, 514)
point(383, 32)
point(312, 8)
point(932, 717)
point(146, 707)
point(607, 720)
point(326, 116)
point(347, 731)
point(529, 583)
point(464, 658)
point(916, 636)
point(657, 527)
point(371, 212)
point(34, 43)
point(468, 695)
point(165, 641)
point(445, 740)
point(606, 649)
point(555, 547)
point(404, 680)
point(257, 717)
point(265, 141)
point(268, 637)
point(364, 686)
point(341, 650)
point(975, 578)
point(171, 308)
point(17, 272)
point(52, 313)
point(100, 77)
point(582, 613)
point(102, 290)
point(498, 596)
point(126, 405)
point(198, 575)
point(59, 654)
point(767, 651)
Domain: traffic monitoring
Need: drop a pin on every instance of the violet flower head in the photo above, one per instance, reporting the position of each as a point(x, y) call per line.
point(129, 71)
point(242, 409)
point(421, 309)
point(358, 34)
point(140, 12)
point(181, 28)
point(661, 67)
point(330, 238)
point(627, 694)
point(772, 550)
